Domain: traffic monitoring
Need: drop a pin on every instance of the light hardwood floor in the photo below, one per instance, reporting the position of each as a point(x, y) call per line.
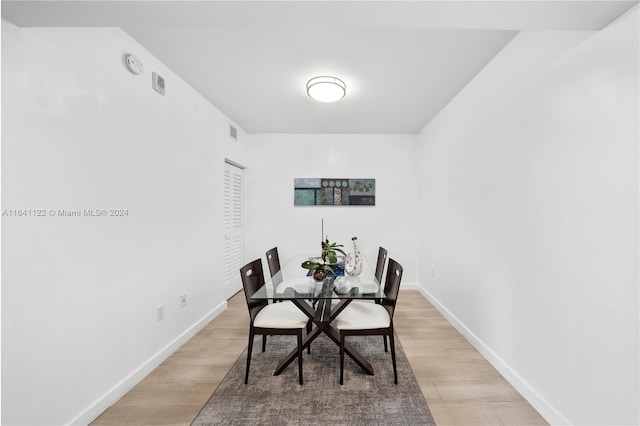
point(460, 386)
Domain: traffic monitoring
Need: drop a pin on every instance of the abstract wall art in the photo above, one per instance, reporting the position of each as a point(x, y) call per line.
point(334, 192)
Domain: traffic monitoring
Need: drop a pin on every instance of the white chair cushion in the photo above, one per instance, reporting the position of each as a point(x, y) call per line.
point(281, 315)
point(363, 316)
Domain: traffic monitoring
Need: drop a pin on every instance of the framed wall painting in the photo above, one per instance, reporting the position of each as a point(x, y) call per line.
point(334, 192)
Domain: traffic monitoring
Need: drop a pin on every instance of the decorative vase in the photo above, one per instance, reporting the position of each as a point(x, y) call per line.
point(319, 274)
point(353, 265)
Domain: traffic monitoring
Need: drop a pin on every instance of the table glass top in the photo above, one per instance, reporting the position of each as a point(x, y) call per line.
point(292, 282)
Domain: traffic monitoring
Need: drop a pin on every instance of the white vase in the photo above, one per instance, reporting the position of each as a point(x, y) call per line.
point(353, 265)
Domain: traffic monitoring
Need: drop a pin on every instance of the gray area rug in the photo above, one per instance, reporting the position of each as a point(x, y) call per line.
point(280, 400)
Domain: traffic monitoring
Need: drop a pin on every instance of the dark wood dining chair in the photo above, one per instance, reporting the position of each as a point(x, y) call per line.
point(382, 258)
point(273, 260)
point(269, 319)
point(364, 319)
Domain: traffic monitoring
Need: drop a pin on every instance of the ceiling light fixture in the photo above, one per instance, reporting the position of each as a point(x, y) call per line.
point(326, 89)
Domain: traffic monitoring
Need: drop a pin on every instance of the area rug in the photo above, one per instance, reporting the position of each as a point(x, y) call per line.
point(280, 400)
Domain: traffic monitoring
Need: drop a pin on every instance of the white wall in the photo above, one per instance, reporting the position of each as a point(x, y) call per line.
point(529, 213)
point(527, 232)
point(79, 294)
point(272, 219)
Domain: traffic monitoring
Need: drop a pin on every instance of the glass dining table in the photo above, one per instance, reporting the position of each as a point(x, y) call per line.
point(322, 301)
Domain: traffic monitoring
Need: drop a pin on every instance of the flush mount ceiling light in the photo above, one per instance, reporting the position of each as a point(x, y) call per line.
point(326, 89)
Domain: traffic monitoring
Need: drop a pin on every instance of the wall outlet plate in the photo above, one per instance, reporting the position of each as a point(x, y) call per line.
point(160, 313)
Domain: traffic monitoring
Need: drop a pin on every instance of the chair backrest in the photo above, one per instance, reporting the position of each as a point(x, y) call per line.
point(392, 285)
point(382, 258)
point(252, 280)
point(273, 260)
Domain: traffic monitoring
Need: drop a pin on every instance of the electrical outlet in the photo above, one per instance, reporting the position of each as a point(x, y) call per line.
point(160, 313)
point(183, 300)
point(433, 273)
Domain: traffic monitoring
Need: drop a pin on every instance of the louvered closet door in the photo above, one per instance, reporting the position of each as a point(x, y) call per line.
point(233, 228)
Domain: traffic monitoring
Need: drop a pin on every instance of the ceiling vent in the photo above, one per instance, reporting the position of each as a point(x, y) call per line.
point(233, 132)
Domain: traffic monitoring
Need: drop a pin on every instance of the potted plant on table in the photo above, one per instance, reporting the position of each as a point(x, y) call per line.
point(329, 258)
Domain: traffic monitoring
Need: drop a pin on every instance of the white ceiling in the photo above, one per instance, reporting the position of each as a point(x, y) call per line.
point(402, 61)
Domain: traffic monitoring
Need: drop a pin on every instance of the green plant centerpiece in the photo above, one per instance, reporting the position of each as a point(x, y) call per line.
point(329, 257)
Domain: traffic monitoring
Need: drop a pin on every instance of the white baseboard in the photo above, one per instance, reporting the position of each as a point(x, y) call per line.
point(546, 409)
point(120, 389)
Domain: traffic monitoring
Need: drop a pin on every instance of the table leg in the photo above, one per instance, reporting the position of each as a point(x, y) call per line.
point(323, 325)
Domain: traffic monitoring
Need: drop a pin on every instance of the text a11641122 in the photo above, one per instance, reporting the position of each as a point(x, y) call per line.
point(65, 212)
